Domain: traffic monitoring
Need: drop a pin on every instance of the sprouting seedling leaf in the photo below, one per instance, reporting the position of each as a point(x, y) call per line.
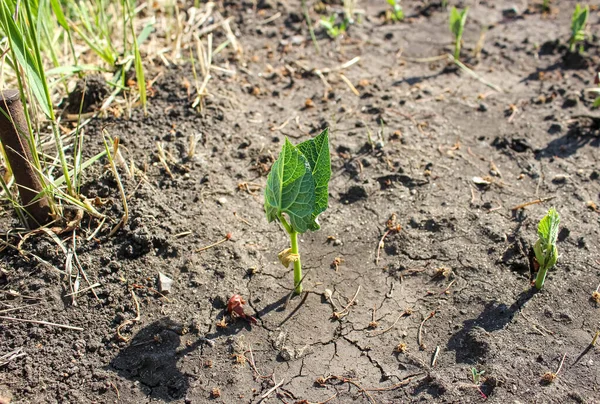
point(297, 186)
point(545, 249)
point(548, 227)
point(316, 152)
point(457, 27)
point(290, 189)
point(578, 23)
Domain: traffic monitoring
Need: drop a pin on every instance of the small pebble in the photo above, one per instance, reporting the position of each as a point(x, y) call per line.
point(560, 179)
point(164, 283)
point(483, 107)
point(222, 201)
point(337, 242)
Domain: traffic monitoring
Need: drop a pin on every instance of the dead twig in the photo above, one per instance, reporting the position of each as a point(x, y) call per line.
point(272, 389)
point(130, 321)
point(392, 227)
point(540, 200)
point(23, 320)
point(404, 313)
point(420, 334)
point(227, 238)
point(339, 314)
point(550, 377)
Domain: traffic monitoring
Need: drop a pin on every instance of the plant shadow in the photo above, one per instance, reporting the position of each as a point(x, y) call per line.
point(151, 359)
point(470, 343)
point(578, 136)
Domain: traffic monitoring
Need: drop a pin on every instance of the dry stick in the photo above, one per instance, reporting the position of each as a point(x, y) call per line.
point(474, 75)
point(395, 386)
point(560, 365)
point(253, 365)
point(18, 308)
point(540, 200)
point(113, 168)
point(14, 133)
point(420, 334)
point(360, 388)
point(382, 243)
point(163, 159)
point(127, 322)
point(91, 287)
point(595, 338)
point(227, 237)
point(435, 355)
point(35, 257)
point(345, 309)
point(22, 320)
point(350, 85)
point(389, 328)
point(273, 389)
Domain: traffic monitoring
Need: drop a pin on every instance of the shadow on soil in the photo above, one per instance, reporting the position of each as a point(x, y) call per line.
point(579, 135)
point(151, 359)
point(152, 355)
point(471, 343)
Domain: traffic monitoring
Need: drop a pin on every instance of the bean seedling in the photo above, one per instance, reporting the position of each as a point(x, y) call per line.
point(545, 249)
point(298, 185)
point(457, 26)
point(396, 13)
point(578, 23)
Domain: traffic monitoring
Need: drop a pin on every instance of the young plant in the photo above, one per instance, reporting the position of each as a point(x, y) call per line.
point(298, 186)
point(333, 29)
point(545, 249)
point(396, 14)
point(457, 26)
point(578, 23)
point(597, 91)
point(546, 6)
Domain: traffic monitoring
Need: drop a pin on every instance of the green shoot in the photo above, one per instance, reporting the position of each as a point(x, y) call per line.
point(596, 90)
point(546, 6)
point(545, 249)
point(476, 376)
point(457, 26)
point(396, 14)
point(333, 29)
point(578, 23)
point(298, 186)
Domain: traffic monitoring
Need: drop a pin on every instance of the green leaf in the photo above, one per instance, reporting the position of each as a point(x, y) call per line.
point(457, 21)
point(24, 55)
point(316, 152)
point(548, 228)
point(290, 189)
point(60, 16)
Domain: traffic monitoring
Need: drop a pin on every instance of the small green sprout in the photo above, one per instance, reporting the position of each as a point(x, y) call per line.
point(578, 23)
point(333, 29)
point(298, 185)
point(545, 249)
point(477, 380)
point(396, 14)
point(546, 6)
point(597, 91)
point(457, 26)
point(477, 376)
